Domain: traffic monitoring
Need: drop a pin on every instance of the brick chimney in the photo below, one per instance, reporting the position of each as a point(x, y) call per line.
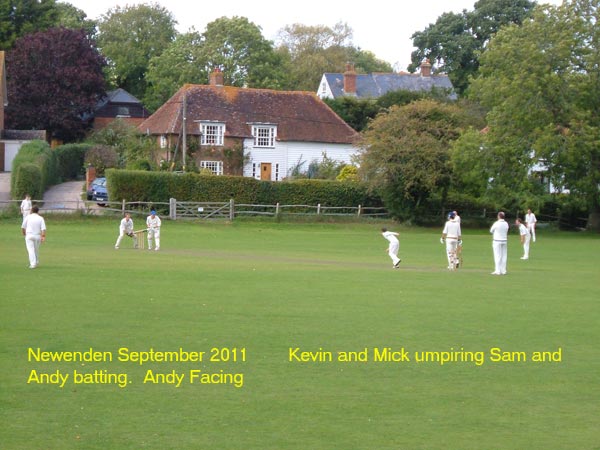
point(425, 68)
point(350, 80)
point(216, 77)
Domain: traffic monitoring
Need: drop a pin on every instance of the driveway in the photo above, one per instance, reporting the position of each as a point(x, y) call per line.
point(64, 197)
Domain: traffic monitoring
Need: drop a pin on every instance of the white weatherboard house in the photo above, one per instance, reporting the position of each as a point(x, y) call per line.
point(258, 133)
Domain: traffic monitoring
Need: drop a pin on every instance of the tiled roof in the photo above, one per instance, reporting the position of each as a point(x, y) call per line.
point(299, 116)
point(374, 85)
point(118, 96)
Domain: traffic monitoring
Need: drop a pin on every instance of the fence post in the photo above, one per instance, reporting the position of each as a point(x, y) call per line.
point(172, 209)
point(123, 206)
point(359, 210)
point(318, 209)
point(231, 210)
point(277, 210)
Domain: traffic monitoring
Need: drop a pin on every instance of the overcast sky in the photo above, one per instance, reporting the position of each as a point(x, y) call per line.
point(385, 29)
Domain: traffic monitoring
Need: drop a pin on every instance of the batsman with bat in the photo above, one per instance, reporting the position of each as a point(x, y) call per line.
point(153, 224)
point(126, 229)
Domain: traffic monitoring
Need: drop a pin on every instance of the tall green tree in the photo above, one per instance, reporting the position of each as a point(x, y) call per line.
point(130, 37)
point(54, 80)
point(310, 51)
point(405, 154)
point(20, 17)
point(238, 48)
point(453, 43)
point(71, 17)
point(366, 61)
point(541, 84)
point(182, 62)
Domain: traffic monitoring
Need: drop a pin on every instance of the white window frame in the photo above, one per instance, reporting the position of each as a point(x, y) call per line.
point(163, 141)
point(212, 133)
point(215, 166)
point(264, 135)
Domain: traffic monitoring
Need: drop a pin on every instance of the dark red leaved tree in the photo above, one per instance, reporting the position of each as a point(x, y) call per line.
point(54, 81)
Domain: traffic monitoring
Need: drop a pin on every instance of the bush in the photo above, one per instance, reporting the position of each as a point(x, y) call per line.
point(140, 164)
point(131, 145)
point(39, 154)
point(27, 180)
point(101, 157)
point(70, 159)
point(569, 211)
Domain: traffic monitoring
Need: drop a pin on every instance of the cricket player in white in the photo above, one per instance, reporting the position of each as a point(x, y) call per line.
point(34, 230)
point(126, 228)
point(153, 224)
point(525, 238)
point(393, 247)
point(499, 231)
point(530, 221)
point(26, 206)
point(451, 236)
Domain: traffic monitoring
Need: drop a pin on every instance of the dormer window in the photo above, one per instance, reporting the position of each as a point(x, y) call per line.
point(264, 135)
point(212, 133)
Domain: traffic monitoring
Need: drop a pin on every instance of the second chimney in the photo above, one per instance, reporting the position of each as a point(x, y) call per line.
point(425, 68)
point(216, 77)
point(350, 80)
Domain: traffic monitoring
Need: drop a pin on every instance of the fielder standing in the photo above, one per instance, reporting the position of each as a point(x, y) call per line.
point(451, 236)
point(499, 231)
point(34, 230)
point(126, 228)
point(530, 221)
point(393, 247)
point(525, 238)
point(26, 206)
point(153, 224)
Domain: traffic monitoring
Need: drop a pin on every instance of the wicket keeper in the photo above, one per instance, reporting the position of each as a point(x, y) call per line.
point(126, 228)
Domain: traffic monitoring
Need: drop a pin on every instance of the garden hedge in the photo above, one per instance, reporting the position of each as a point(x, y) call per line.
point(159, 187)
point(41, 155)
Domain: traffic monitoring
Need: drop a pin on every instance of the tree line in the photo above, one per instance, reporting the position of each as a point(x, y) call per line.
point(527, 77)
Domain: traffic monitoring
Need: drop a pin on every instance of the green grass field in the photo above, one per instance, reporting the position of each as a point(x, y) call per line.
point(246, 293)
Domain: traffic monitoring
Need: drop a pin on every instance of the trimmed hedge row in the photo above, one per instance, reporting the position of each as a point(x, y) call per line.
point(142, 186)
point(70, 159)
point(39, 154)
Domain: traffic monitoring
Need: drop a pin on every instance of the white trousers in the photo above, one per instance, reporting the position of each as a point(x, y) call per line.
point(32, 243)
point(122, 235)
point(531, 229)
point(393, 252)
point(526, 246)
point(451, 248)
point(154, 233)
point(500, 256)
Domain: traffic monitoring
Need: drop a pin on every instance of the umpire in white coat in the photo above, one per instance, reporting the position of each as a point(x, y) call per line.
point(499, 232)
point(451, 235)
